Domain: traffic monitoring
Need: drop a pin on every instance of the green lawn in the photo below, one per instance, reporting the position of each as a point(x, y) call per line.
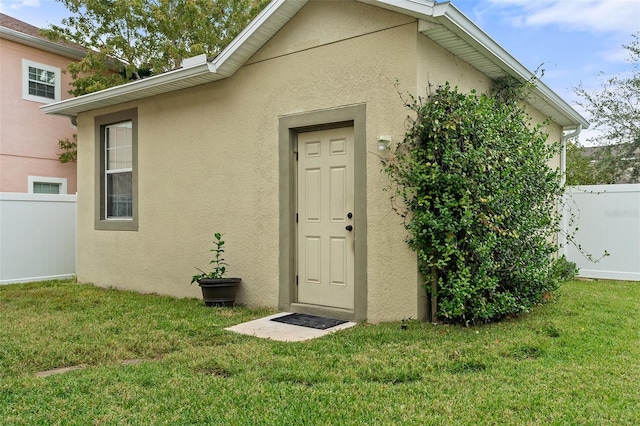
point(575, 360)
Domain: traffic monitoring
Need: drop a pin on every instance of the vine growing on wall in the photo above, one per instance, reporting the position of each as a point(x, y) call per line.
point(472, 180)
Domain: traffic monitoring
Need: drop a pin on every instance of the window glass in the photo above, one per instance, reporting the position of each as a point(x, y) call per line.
point(118, 171)
point(42, 83)
point(116, 178)
point(46, 188)
point(119, 195)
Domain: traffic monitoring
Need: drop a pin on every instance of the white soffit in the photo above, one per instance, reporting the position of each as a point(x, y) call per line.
point(415, 8)
point(451, 29)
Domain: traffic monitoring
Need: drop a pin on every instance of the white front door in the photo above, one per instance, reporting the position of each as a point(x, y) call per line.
point(325, 218)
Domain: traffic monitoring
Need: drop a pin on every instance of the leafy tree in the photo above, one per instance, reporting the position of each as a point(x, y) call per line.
point(69, 149)
point(579, 167)
point(132, 39)
point(480, 198)
point(595, 165)
point(615, 111)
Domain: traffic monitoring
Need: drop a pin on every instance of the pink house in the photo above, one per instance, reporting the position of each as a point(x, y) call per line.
point(32, 75)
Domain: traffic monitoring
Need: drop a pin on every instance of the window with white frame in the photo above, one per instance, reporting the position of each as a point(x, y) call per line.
point(46, 188)
point(40, 82)
point(47, 185)
point(116, 178)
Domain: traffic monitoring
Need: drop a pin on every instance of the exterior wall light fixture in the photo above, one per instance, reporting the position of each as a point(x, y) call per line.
point(383, 142)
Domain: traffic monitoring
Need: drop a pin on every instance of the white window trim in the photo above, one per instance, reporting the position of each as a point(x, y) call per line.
point(43, 179)
point(25, 82)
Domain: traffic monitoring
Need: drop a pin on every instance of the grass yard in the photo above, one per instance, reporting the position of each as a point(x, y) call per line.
point(575, 360)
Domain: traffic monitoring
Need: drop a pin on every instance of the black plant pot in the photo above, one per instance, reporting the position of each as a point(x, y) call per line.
point(219, 291)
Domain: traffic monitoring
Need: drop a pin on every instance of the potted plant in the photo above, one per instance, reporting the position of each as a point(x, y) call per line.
point(217, 290)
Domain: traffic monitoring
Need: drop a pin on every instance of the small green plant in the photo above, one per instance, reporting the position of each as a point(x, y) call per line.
point(564, 269)
point(219, 265)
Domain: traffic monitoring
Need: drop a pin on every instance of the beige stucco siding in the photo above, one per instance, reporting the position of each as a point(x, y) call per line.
point(437, 66)
point(321, 23)
point(551, 128)
point(208, 159)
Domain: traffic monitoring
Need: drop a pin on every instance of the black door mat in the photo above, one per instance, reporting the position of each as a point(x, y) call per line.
point(310, 321)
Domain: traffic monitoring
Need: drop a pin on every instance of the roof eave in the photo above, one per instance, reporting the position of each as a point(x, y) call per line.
point(269, 21)
point(39, 43)
point(455, 21)
point(443, 20)
point(260, 30)
point(161, 83)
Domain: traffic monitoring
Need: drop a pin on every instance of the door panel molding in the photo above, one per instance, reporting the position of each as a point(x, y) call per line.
point(326, 178)
point(289, 128)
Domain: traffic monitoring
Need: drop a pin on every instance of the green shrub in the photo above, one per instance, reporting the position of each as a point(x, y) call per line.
point(480, 202)
point(563, 269)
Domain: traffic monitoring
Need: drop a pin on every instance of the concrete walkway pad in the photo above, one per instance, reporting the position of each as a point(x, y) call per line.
point(267, 329)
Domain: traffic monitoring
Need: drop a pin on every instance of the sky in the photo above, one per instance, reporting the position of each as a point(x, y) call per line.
point(573, 41)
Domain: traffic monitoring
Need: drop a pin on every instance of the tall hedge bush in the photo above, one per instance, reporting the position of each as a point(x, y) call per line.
point(473, 181)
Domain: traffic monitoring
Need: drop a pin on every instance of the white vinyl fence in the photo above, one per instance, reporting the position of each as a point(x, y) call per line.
point(37, 237)
point(38, 234)
point(608, 219)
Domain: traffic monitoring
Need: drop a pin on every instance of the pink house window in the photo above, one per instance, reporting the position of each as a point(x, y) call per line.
point(40, 82)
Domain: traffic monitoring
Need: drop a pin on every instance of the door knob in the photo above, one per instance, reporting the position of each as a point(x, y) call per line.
point(349, 228)
point(349, 215)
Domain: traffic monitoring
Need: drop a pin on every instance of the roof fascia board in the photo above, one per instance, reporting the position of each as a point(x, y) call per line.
point(132, 91)
point(452, 18)
point(543, 91)
point(38, 43)
point(227, 62)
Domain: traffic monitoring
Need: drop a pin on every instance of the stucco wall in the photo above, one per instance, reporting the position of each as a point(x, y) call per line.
point(29, 138)
point(552, 129)
point(437, 66)
point(208, 160)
